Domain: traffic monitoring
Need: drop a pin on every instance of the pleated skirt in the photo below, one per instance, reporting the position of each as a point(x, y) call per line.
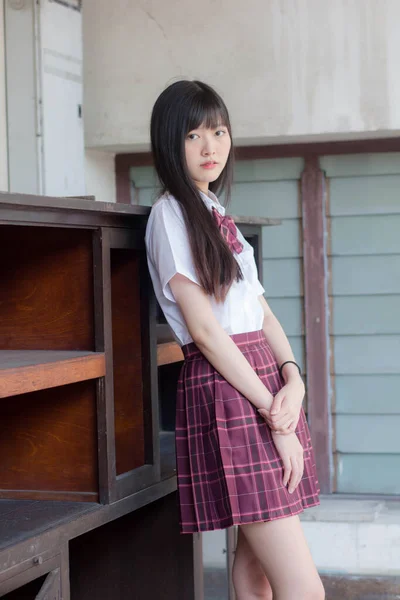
point(229, 471)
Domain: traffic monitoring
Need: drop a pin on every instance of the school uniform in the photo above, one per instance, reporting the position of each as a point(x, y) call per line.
point(229, 471)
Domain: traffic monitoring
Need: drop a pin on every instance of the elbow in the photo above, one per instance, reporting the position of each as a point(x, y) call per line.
point(201, 335)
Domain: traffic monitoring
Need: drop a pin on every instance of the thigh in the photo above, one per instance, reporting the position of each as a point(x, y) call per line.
point(249, 578)
point(282, 550)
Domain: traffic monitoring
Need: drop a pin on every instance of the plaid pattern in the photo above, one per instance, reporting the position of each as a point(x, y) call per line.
point(227, 228)
point(229, 471)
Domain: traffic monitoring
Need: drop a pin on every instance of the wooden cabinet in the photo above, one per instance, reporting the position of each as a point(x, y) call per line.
point(82, 479)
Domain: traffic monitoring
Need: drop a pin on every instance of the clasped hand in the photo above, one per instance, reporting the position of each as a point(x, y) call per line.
point(284, 413)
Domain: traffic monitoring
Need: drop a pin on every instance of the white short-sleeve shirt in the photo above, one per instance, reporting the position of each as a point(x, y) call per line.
point(168, 253)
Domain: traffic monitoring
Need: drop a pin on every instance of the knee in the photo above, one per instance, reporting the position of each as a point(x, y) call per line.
point(313, 591)
point(251, 583)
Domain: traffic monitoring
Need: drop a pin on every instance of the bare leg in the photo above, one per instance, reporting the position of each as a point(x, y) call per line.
point(248, 576)
point(283, 553)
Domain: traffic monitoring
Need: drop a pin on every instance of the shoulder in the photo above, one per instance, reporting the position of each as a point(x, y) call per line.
point(165, 210)
point(165, 222)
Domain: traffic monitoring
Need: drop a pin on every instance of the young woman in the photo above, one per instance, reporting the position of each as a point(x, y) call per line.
point(244, 455)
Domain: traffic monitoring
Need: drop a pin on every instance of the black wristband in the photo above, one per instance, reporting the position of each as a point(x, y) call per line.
point(285, 363)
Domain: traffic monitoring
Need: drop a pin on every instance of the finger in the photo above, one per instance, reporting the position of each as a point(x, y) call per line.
point(284, 429)
point(264, 413)
point(294, 475)
point(287, 469)
point(277, 403)
point(301, 462)
point(300, 469)
point(280, 421)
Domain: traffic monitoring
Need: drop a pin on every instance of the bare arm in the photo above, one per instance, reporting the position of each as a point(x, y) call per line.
point(216, 345)
point(279, 343)
point(226, 358)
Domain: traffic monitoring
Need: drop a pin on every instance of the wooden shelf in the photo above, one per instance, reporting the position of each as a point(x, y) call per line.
point(266, 221)
point(24, 520)
point(24, 371)
point(168, 353)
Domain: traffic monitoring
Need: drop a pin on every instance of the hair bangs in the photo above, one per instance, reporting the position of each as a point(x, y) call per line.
point(208, 110)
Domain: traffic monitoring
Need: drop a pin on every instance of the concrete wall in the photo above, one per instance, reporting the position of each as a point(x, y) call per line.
point(100, 175)
point(3, 113)
point(289, 70)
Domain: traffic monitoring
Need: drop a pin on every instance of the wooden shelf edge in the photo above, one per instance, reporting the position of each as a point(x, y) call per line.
point(49, 496)
point(169, 352)
point(44, 375)
point(243, 220)
point(67, 520)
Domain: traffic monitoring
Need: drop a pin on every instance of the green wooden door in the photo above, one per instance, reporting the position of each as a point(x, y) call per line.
point(364, 259)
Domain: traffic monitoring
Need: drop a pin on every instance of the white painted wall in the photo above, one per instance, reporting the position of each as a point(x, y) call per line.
point(44, 91)
point(100, 175)
point(3, 111)
point(24, 144)
point(62, 95)
point(289, 70)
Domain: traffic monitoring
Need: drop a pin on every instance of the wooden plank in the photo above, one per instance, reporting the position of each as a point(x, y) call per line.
point(268, 169)
point(367, 164)
point(368, 473)
point(51, 524)
point(49, 444)
point(282, 277)
point(366, 315)
point(51, 587)
point(32, 370)
point(127, 358)
point(312, 194)
point(104, 391)
point(23, 519)
point(28, 201)
point(273, 199)
point(297, 344)
point(363, 195)
point(283, 241)
point(151, 405)
point(300, 149)
point(289, 312)
point(367, 394)
point(168, 352)
point(163, 568)
point(245, 220)
point(146, 196)
point(369, 275)
point(368, 434)
point(46, 292)
point(365, 235)
point(364, 354)
point(143, 177)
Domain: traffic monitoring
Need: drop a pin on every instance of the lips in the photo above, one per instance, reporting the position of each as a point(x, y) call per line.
point(209, 165)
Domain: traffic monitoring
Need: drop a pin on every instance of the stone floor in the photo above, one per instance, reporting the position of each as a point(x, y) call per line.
point(337, 588)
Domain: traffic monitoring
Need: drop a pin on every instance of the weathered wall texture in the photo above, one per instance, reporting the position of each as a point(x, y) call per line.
point(3, 114)
point(288, 69)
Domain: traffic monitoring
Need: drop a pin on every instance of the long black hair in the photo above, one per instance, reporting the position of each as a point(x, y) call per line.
point(180, 108)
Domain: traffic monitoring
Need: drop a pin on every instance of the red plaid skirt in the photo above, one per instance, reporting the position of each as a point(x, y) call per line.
point(229, 471)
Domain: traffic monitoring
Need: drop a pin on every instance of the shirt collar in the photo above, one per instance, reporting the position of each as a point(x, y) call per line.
point(211, 200)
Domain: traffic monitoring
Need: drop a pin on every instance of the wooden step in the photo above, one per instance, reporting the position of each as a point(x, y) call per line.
point(23, 371)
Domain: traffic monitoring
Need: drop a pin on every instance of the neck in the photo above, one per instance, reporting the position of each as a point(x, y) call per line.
point(203, 187)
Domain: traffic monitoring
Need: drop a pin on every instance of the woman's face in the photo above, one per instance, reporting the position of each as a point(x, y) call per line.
point(207, 151)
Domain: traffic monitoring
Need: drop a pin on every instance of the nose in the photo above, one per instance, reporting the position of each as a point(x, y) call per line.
point(208, 147)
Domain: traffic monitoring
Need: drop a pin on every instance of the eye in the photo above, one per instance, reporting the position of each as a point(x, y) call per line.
point(192, 136)
point(220, 132)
